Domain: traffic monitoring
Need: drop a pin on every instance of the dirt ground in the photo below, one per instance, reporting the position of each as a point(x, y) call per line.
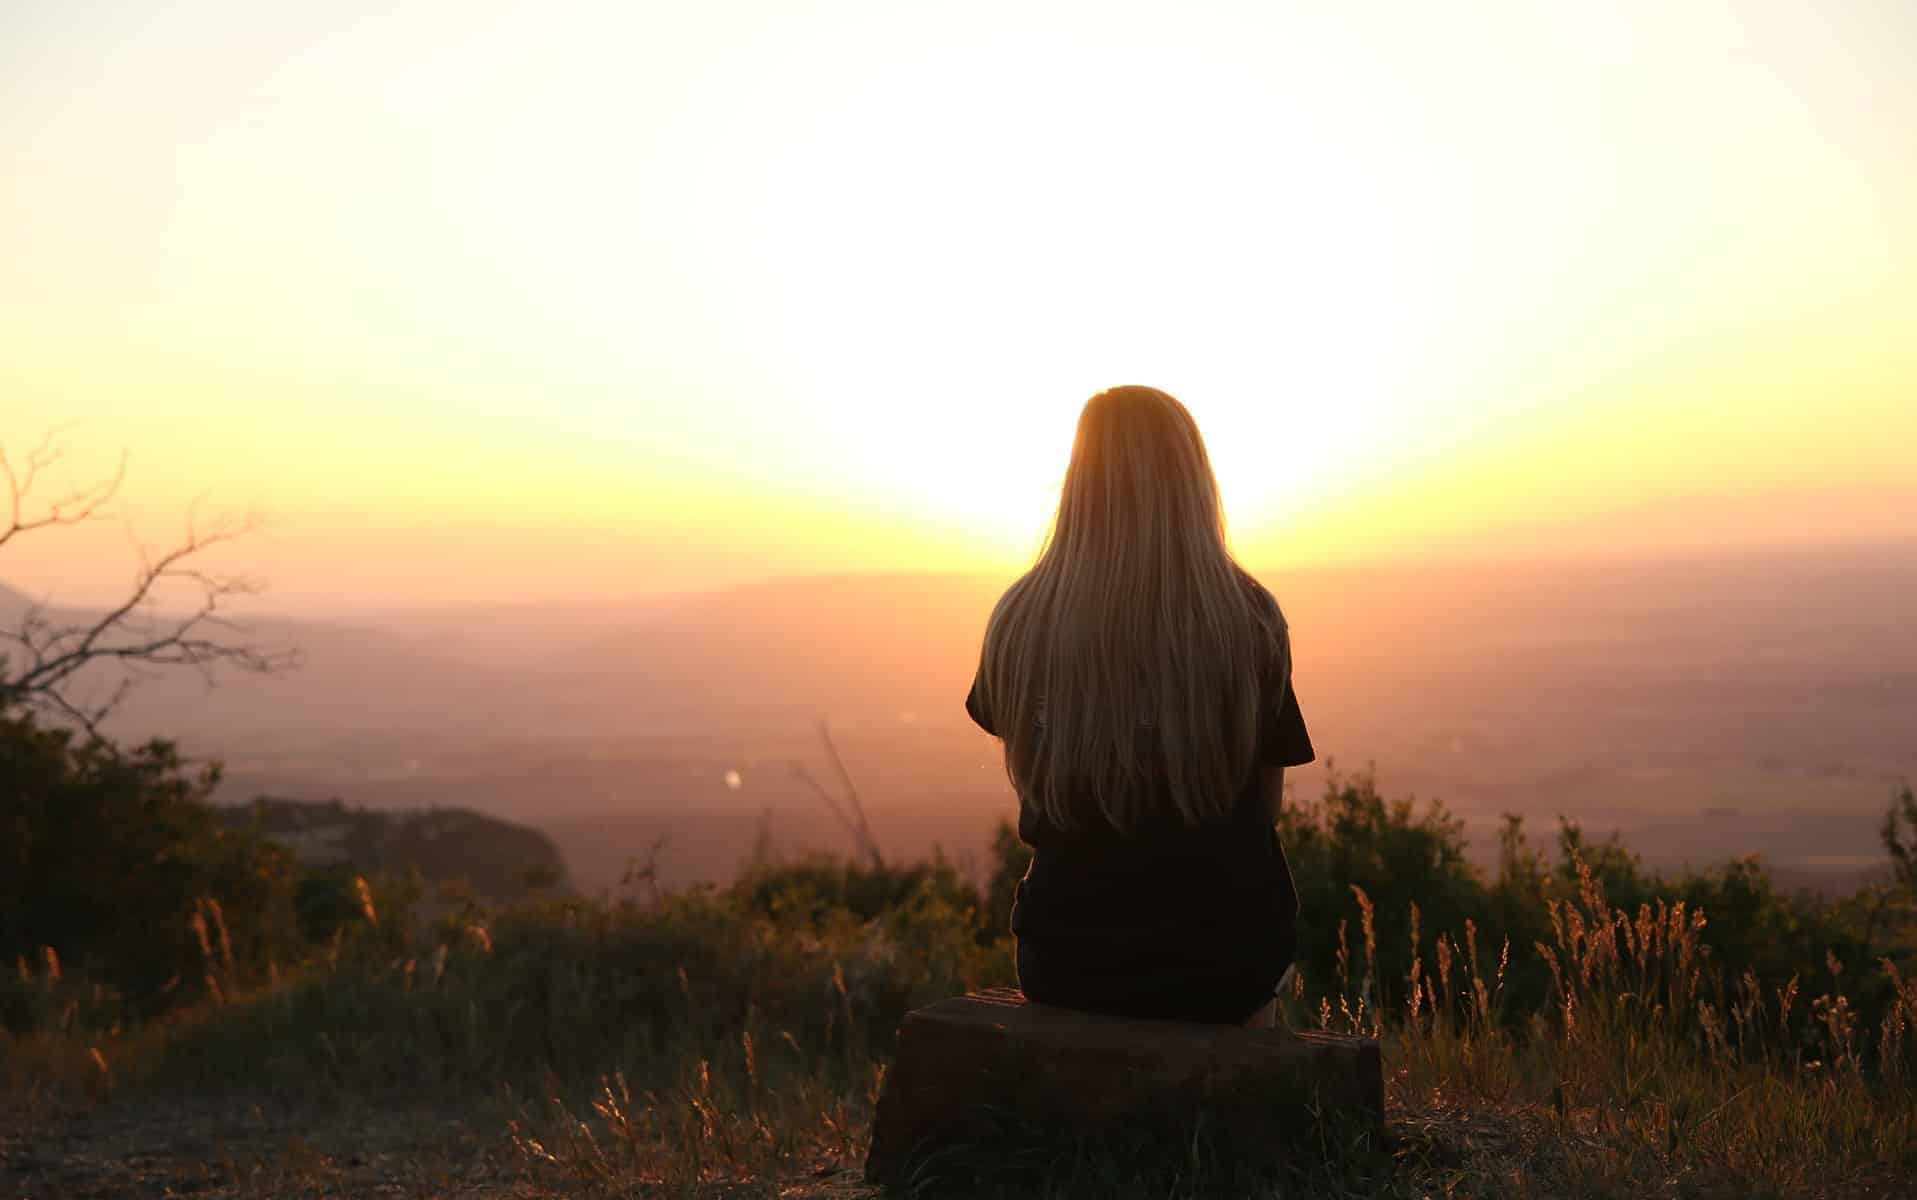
point(248, 1149)
point(253, 1148)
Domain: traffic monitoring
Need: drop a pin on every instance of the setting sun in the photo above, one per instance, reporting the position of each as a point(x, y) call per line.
point(762, 287)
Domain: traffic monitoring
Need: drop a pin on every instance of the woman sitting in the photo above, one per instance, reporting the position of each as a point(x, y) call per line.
point(1141, 683)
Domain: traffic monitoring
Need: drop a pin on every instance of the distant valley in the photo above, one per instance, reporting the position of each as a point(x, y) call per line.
point(1704, 708)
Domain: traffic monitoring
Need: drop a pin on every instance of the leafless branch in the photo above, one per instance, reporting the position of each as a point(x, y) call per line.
point(850, 813)
point(806, 777)
point(78, 504)
point(41, 658)
point(851, 790)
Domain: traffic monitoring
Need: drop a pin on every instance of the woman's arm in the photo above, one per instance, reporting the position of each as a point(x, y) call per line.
point(1274, 790)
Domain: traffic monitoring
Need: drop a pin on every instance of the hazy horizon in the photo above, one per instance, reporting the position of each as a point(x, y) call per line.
point(625, 386)
point(1705, 707)
point(42, 578)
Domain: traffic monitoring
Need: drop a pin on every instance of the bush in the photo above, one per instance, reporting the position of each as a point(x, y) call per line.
point(819, 884)
point(113, 860)
point(1398, 854)
point(572, 989)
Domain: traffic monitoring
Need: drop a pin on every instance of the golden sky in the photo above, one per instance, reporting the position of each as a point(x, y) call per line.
point(493, 302)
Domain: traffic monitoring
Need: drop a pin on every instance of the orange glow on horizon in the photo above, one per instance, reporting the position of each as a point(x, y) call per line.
point(479, 303)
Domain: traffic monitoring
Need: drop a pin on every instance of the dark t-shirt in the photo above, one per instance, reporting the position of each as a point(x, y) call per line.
point(1175, 921)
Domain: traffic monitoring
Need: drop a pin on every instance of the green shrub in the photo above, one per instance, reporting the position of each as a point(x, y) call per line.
point(819, 884)
point(113, 860)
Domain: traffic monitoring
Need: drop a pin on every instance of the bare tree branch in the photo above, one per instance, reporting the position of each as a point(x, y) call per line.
point(806, 777)
point(86, 503)
point(851, 792)
point(851, 813)
point(47, 656)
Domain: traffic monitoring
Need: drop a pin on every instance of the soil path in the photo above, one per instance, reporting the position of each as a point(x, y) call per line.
point(241, 1149)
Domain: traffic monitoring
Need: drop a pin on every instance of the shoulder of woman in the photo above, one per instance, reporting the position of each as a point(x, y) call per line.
point(1008, 597)
point(1264, 602)
point(1276, 652)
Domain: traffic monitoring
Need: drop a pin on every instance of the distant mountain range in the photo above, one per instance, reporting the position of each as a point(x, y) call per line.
point(856, 646)
point(353, 678)
point(1374, 641)
point(1706, 706)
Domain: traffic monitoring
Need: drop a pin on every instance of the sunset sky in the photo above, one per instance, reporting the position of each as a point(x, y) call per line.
point(495, 302)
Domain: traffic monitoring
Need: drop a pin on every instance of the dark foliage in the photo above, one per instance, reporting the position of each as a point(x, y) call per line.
point(496, 860)
point(818, 884)
point(107, 855)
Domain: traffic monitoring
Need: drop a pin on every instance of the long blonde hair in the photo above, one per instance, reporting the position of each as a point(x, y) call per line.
point(1125, 667)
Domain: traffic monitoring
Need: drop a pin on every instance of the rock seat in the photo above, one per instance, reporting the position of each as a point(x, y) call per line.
point(966, 1063)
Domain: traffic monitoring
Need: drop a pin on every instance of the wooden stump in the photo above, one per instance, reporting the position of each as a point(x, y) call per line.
point(967, 1063)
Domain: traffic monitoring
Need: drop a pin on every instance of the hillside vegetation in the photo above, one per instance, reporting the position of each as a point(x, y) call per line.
point(498, 860)
point(1568, 1025)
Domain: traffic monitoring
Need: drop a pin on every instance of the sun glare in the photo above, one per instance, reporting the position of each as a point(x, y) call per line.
point(945, 324)
point(745, 287)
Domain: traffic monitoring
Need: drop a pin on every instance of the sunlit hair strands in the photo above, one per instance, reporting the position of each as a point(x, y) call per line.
point(1124, 668)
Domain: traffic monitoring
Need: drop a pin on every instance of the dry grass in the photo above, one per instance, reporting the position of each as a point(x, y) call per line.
point(695, 1049)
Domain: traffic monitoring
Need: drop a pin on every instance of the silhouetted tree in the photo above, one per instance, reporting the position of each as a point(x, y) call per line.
point(1899, 834)
point(1893, 905)
point(105, 853)
point(43, 655)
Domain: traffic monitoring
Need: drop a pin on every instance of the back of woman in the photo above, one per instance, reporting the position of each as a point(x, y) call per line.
point(1141, 683)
